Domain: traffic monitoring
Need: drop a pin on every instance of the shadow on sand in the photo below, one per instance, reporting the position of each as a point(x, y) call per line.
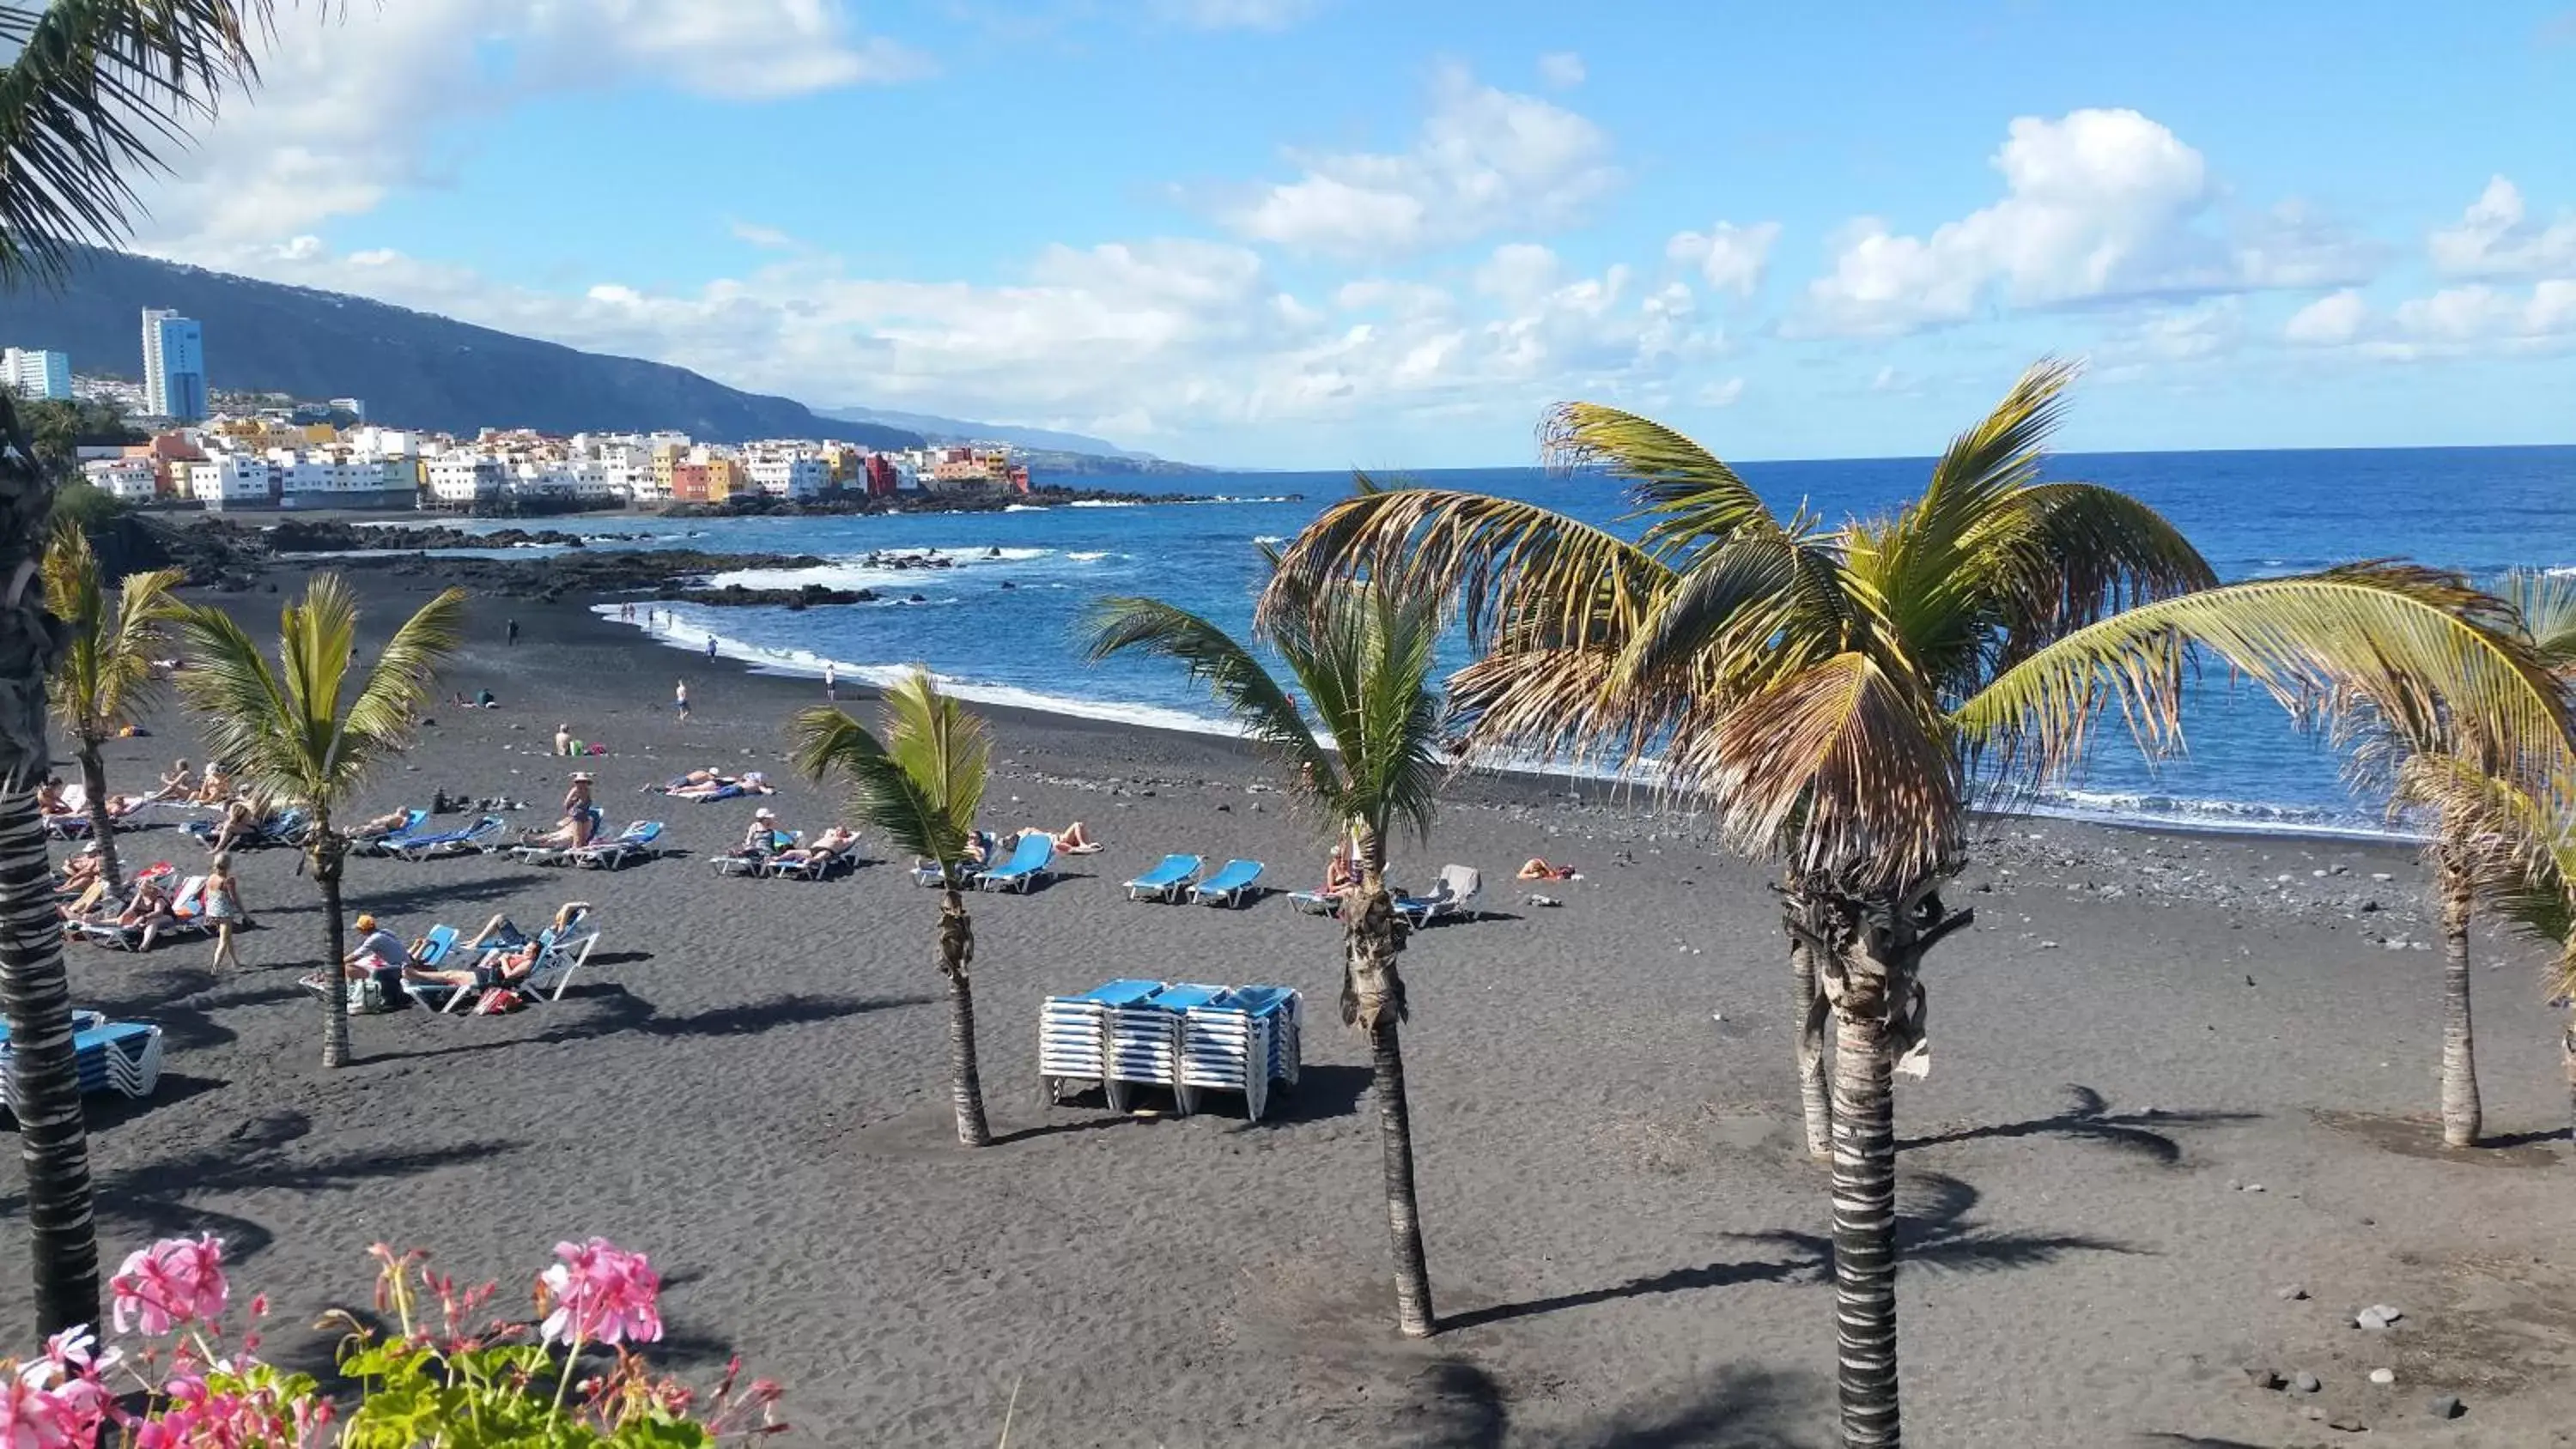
point(1455, 1404)
point(610, 1009)
point(2089, 1118)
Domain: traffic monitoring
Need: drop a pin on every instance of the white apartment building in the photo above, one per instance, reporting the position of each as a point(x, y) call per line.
point(795, 475)
point(38, 375)
point(230, 480)
point(462, 479)
point(341, 480)
point(128, 480)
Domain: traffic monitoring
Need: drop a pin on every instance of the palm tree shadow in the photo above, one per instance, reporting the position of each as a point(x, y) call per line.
point(1459, 1405)
point(2089, 1118)
point(1933, 1230)
point(1323, 1091)
point(152, 1198)
point(614, 1009)
point(2195, 1441)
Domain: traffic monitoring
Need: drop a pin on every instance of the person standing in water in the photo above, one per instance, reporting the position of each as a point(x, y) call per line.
point(680, 698)
point(831, 682)
point(511, 628)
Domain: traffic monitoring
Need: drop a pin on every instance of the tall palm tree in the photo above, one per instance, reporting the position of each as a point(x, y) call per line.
point(920, 787)
point(297, 735)
point(91, 91)
point(2518, 843)
point(1363, 658)
point(1841, 696)
point(104, 678)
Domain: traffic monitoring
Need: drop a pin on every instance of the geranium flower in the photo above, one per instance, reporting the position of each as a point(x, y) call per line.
point(601, 1294)
point(175, 1281)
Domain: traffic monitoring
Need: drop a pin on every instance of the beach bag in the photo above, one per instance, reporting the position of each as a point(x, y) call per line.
point(498, 1000)
point(369, 998)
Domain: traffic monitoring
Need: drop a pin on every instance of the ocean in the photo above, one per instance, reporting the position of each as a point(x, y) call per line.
point(1000, 626)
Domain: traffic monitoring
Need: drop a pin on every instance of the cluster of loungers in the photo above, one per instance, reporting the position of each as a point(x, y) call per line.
point(1448, 900)
point(640, 840)
point(1177, 879)
point(555, 955)
point(186, 918)
point(1185, 1037)
point(1032, 861)
point(788, 857)
point(114, 1056)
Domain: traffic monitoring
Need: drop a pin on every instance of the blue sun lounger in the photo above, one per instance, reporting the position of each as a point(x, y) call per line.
point(415, 822)
point(117, 1056)
point(435, 948)
point(1231, 886)
point(1165, 881)
point(1026, 867)
point(473, 839)
point(639, 841)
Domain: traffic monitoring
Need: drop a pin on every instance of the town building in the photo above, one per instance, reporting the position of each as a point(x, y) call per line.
point(37, 375)
point(174, 366)
point(127, 480)
point(231, 480)
point(462, 479)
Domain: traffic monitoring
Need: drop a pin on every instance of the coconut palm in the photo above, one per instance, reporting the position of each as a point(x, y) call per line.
point(298, 735)
point(920, 787)
point(1840, 696)
point(1363, 658)
point(91, 91)
point(104, 678)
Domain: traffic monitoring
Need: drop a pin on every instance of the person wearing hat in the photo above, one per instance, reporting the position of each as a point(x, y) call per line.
point(377, 949)
point(577, 795)
point(762, 837)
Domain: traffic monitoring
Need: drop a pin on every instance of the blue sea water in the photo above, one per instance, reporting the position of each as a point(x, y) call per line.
point(2253, 514)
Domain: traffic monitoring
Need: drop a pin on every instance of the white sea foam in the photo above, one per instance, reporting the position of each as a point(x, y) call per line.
point(1104, 503)
point(1024, 508)
point(853, 571)
point(1269, 538)
point(1088, 557)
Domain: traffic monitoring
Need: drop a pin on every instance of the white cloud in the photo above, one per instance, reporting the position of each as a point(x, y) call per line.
point(2484, 316)
point(349, 109)
point(2098, 204)
point(1235, 14)
point(2495, 238)
point(1561, 69)
point(767, 238)
point(1733, 258)
point(1722, 394)
point(2329, 321)
point(1486, 160)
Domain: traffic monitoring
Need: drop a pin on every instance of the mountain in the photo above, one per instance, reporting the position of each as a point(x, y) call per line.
point(940, 429)
point(413, 369)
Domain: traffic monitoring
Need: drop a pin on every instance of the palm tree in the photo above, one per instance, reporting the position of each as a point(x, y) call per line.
point(2518, 847)
point(1363, 658)
point(920, 786)
point(295, 734)
point(91, 90)
point(105, 677)
point(1840, 696)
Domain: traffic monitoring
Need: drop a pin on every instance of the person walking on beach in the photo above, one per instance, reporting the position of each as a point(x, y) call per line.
point(680, 699)
point(711, 648)
point(222, 896)
point(831, 682)
point(510, 628)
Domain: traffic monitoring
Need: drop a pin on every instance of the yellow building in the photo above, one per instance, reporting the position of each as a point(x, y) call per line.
point(725, 478)
point(667, 456)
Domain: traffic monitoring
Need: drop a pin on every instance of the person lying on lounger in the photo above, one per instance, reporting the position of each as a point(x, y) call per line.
point(149, 909)
point(177, 784)
point(761, 836)
point(503, 966)
point(500, 933)
point(1341, 873)
point(79, 871)
point(49, 797)
point(1074, 839)
point(830, 843)
point(570, 833)
point(380, 826)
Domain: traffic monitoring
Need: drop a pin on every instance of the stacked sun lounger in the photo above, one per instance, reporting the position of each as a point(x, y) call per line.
point(114, 1056)
point(1187, 1037)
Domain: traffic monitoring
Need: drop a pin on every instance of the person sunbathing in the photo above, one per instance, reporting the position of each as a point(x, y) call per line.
point(1341, 874)
point(49, 797)
point(577, 794)
point(505, 966)
point(1074, 839)
point(150, 910)
point(1537, 869)
point(570, 833)
point(710, 788)
point(79, 871)
point(500, 933)
point(979, 850)
point(380, 826)
point(177, 784)
point(827, 845)
point(760, 837)
point(241, 817)
point(216, 788)
point(677, 783)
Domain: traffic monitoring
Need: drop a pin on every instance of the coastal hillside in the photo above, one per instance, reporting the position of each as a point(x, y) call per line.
point(414, 369)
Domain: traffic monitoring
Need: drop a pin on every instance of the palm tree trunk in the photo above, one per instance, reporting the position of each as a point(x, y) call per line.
point(1373, 999)
point(965, 1084)
point(2460, 1117)
point(102, 826)
point(326, 861)
point(35, 995)
point(1865, 1228)
point(2567, 1069)
point(44, 1076)
point(1815, 1094)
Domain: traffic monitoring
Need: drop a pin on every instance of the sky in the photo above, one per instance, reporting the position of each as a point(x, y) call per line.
point(1389, 233)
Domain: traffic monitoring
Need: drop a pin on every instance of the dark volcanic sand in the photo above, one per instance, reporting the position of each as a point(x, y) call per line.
point(1625, 1238)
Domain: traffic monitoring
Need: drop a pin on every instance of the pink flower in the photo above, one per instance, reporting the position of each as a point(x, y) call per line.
point(175, 1281)
point(31, 1418)
point(601, 1294)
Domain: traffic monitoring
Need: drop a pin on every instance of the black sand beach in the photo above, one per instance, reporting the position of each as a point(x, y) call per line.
point(2172, 1076)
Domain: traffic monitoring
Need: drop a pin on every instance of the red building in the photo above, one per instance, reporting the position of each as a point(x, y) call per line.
point(882, 479)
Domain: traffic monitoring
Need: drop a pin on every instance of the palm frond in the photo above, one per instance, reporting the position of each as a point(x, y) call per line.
point(386, 712)
point(1853, 754)
point(1366, 664)
point(244, 711)
point(2060, 556)
point(1689, 498)
point(2546, 603)
point(97, 91)
point(1751, 608)
point(2520, 847)
point(1216, 660)
point(920, 786)
point(1496, 560)
point(2413, 645)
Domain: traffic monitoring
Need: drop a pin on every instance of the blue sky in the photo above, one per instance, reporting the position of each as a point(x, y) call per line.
point(1330, 232)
